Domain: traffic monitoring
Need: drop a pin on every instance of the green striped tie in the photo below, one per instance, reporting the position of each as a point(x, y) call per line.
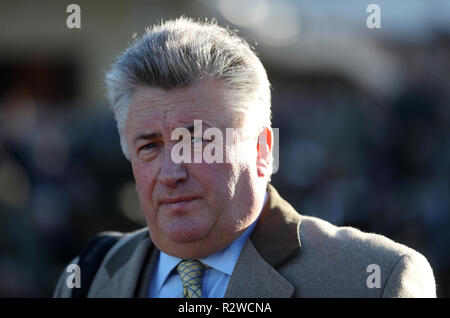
point(191, 276)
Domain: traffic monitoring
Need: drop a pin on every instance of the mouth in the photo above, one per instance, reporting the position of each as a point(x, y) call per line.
point(177, 203)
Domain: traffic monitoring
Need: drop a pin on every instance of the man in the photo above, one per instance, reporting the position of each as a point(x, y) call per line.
point(221, 221)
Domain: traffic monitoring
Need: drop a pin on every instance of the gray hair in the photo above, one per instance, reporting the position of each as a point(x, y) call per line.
point(182, 52)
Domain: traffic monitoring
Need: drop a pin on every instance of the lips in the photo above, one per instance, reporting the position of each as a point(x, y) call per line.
point(177, 199)
point(177, 202)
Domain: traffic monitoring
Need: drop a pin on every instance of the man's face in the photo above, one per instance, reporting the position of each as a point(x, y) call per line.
point(192, 209)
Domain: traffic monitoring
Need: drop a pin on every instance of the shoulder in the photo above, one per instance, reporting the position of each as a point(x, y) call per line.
point(319, 234)
point(338, 261)
point(126, 245)
point(112, 260)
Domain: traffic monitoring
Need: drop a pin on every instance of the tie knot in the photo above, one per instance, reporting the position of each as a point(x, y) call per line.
point(191, 276)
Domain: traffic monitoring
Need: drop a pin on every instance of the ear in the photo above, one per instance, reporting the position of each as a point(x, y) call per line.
point(264, 149)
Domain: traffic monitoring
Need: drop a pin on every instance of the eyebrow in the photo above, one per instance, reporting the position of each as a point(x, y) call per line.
point(148, 136)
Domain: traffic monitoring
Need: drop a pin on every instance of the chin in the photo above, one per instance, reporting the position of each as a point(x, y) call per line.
point(183, 231)
point(184, 237)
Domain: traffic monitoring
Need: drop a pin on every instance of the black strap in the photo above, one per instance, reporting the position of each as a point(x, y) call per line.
point(90, 259)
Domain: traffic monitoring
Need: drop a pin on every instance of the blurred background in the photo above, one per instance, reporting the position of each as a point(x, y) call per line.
point(363, 116)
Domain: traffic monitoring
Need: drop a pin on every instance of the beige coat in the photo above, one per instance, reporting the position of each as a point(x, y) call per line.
point(288, 255)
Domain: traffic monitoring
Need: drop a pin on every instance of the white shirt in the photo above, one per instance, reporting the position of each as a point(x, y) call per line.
point(166, 283)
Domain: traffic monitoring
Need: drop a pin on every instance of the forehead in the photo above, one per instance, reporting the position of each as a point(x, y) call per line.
point(208, 100)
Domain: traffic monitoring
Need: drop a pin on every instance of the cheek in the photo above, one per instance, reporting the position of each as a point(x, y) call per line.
point(220, 184)
point(144, 178)
point(215, 177)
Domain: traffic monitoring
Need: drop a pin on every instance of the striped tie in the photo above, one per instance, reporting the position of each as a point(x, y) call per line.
point(191, 276)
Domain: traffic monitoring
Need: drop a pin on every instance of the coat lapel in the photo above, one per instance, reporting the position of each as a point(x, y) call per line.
point(274, 241)
point(124, 270)
point(253, 277)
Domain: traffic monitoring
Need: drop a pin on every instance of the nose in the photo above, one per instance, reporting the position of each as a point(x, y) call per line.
point(171, 173)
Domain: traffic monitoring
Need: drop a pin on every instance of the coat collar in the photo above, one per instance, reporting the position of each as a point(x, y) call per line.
point(274, 241)
point(124, 269)
point(276, 236)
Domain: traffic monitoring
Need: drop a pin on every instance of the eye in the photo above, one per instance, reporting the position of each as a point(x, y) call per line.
point(148, 146)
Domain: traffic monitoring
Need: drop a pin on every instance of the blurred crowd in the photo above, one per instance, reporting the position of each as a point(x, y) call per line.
point(381, 164)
